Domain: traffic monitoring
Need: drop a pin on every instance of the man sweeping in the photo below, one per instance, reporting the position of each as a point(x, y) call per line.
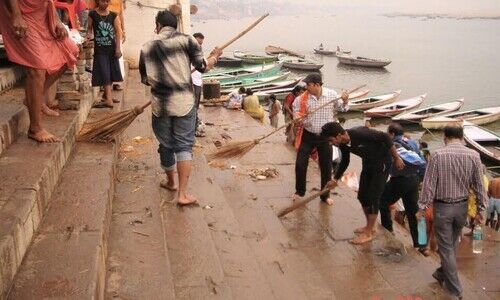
point(375, 149)
point(165, 65)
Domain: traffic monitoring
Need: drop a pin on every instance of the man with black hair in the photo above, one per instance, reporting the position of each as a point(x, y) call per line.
point(451, 172)
point(197, 85)
point(376, 150)
point(402, 184)
point(309, 137)
point(165, 65)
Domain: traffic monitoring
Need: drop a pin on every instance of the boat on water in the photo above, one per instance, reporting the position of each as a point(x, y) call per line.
point(280, 93)
point(360, 61)
point(484, 141)
point(374, 101)
point(328, 52)
point(228, 76)
point(257, 84)
point(476, 116)
point(229, 62)
point(358, 94)
point(395, 108)
point(250, 58)
point(431, 111)
point(275, 50)
point(297, 63)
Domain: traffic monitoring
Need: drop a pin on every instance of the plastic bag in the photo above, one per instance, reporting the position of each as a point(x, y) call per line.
point(351, 180)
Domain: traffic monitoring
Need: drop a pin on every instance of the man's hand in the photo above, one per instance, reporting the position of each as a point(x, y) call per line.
point(345, 97)
point(118, 53)
point(399, 163)
point(61, 32)
point(420, 214)
point(478, 219)
point(123, 36)
point(20, 26)
point(331, 184)
point(216, 53)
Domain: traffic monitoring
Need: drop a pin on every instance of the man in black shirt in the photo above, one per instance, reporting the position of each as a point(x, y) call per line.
point(375, 149)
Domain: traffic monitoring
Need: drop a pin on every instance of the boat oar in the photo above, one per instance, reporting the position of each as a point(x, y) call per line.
point(240, 148)
point(302, 202)
point(107, 128)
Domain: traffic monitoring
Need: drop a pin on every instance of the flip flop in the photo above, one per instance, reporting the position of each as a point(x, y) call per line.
point(102, 105)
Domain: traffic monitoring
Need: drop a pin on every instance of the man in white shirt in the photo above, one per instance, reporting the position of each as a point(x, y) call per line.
point(197, 85)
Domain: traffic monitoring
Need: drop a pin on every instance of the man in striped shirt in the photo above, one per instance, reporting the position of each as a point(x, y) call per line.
point(451, 172)
point(165, 65)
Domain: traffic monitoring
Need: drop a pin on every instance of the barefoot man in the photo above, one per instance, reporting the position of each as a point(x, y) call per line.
point(35, 38)
point(165, 66)
point(376, 150)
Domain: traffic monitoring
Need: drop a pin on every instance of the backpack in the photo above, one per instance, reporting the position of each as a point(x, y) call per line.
point(410, 154)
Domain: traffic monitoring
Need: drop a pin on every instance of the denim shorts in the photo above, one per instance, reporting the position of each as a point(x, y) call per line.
point(493, 205)
point(176, 138)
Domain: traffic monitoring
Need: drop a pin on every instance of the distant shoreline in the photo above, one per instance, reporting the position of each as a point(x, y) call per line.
point(442, 16)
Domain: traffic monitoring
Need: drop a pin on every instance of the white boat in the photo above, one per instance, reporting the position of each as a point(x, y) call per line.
point(358, 94)
point(263, 84)
point(362, 61)
point(298, 63)
point(395, 108)
point(476, 116)
point(228, 76)
point(486, 142)
point(374, 101)
point(328, 52)
point(432, 111)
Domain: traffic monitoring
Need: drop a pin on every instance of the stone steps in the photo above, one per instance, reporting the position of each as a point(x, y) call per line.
point(67, 256)
point(14, 118)
point(9, 76)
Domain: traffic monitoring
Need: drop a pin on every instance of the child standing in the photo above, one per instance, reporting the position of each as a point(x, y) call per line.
point(104, 27)
point(274, 109)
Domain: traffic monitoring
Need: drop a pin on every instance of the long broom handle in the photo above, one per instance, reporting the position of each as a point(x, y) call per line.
point(309, 113)
point(303, 202)
point(141, 108)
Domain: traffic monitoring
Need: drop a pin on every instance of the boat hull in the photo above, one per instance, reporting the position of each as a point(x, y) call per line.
point(489, 150)
point(415, 117)
point(395, 108)
point(438, 123)
point(359, 105)
point(355, 61)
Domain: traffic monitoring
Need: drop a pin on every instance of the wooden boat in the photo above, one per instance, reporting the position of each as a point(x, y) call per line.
point(362, 61)
point(476, 116)
point(486, 142)
point(328, 52)
point(256, 84)
point(274, 50)
point(249, 58)
point(432, 111)
point(297, 63)
point(227, 76)
point(358, 94)
point(371, 102)
point(280, 93)
point(229, 62)
point(395, 108)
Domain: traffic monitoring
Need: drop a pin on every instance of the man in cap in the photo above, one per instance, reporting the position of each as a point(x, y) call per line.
point(315, 96)
point(165, 65)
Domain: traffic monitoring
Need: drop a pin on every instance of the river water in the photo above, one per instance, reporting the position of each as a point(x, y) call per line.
point(447, 58)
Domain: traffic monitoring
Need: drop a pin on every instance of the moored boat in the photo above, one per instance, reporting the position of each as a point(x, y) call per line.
point(476, 116)
point(297, 63)
point(250, 58)
point(275, 50)
point(358, 94)
point(362, 61)
point(324, 51)
point(486, 142)
point(431, 111)
point(229, 62)
point(374, 101)
point(227, 76)
point(395, 108)
point(258, 84)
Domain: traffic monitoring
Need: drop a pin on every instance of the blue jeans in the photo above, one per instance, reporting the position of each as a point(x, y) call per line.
point(176, 137)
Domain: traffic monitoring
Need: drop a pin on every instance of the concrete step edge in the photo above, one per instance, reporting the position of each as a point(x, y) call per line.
point(10, 76)
point(9, 131)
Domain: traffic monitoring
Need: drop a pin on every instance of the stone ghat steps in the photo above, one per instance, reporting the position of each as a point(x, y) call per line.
point(9, 76)
point(14, 118)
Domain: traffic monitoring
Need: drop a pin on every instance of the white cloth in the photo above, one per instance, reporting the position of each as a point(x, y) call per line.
point(196, 77)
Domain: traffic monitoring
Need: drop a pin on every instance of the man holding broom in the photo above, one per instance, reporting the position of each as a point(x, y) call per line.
point(309, 138)
point(375, 149)
point(165, 66)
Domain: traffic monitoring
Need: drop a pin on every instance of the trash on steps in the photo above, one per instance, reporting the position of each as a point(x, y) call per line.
point(263, 174)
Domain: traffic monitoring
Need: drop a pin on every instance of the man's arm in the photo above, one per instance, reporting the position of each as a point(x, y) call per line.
point(118, 37)
point(90, 28)
point(122, 22)
point(478, 186)
point(287, 104)
point(429, 184)
point(344, 162)
point(342, 104)
point(142, 68)
point(398, 161)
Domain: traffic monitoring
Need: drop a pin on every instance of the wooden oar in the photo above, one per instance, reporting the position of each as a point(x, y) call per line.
point(303, 202)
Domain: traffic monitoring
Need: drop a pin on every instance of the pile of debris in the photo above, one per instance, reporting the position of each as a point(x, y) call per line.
point(263, 174)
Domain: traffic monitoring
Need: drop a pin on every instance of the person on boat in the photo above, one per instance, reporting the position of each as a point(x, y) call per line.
point(451, 172)
point(288, 111)
point(309, 137)
point(252, 106)
point(165, 65)
point(403, 184)
point(320, 47)
point(236, 98)
point(377, 152)
point(274, 109)
point(35, 38)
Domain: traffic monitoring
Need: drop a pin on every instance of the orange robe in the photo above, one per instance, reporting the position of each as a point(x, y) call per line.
point(39, 49)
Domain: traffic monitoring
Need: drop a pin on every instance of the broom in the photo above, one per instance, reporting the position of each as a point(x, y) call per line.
point(240, 148)
point(301, 203)
point(107, 128)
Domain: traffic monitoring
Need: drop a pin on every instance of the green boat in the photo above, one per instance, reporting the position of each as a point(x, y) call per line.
point(255, 84)
point(249, 58)
point(250, 73)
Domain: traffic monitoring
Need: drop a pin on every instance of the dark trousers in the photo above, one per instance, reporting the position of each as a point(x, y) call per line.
point(309, 141)
point(405, 188)
point(197, 99)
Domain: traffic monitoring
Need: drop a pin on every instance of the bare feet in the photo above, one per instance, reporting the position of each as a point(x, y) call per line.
point(185, 199)
point(296, 197)
point(48, 111)
point(329, 201)
point(168, 185)
point(43, 136)
point(361, 239)
point(362, 230)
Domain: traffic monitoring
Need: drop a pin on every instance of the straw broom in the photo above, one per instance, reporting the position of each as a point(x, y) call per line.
point(240, 148)
point(107, 128)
